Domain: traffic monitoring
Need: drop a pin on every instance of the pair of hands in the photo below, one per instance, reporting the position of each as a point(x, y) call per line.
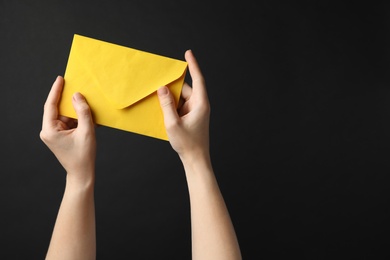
point(73, 141)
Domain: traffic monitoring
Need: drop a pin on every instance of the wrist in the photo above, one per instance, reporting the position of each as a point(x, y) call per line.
point(196, 162)
point(195, 157)
point(80, 180)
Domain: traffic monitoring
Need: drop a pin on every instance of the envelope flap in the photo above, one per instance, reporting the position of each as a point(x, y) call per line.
point(124, 75)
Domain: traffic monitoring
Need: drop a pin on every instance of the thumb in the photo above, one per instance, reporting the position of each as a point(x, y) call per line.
point(83, 111)
point(167, 104)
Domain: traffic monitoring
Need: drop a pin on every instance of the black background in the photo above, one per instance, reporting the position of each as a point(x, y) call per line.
point(299, 127)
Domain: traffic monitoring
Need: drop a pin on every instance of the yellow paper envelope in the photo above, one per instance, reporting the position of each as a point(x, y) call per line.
point(120, 85)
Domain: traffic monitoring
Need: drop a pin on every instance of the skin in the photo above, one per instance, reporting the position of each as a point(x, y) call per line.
point(73, 143)
point(213, 234)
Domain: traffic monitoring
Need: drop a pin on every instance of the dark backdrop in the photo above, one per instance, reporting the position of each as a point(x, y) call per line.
point(299, 127)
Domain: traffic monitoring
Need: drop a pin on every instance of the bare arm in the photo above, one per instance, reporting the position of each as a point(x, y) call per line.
point(74, 231)
point(213, 234)
point(73, 143)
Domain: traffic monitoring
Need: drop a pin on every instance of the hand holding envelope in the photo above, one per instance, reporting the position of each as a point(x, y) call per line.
point(120, 85)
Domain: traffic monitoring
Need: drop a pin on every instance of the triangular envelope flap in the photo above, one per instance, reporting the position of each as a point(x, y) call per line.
point(125, 75)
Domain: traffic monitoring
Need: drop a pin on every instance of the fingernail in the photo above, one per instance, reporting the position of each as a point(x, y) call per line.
point(78, 97)
point(162, 91)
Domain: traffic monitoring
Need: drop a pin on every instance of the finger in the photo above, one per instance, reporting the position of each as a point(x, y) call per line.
point(167, 104)
point(50, 111)
point(68, 122)
point(185, 95)
point(83, 111)
point(186, 92)
point(198, 83)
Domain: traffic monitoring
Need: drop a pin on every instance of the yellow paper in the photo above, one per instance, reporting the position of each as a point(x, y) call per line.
point(120, 85)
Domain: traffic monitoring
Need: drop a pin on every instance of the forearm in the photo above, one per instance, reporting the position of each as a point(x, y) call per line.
point(74, 234)
point(213, 235)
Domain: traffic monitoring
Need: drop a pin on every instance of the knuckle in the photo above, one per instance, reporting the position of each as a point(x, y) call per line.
point(84, 110)
point(45, 136)
point(167, 102)
point(45, 106)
